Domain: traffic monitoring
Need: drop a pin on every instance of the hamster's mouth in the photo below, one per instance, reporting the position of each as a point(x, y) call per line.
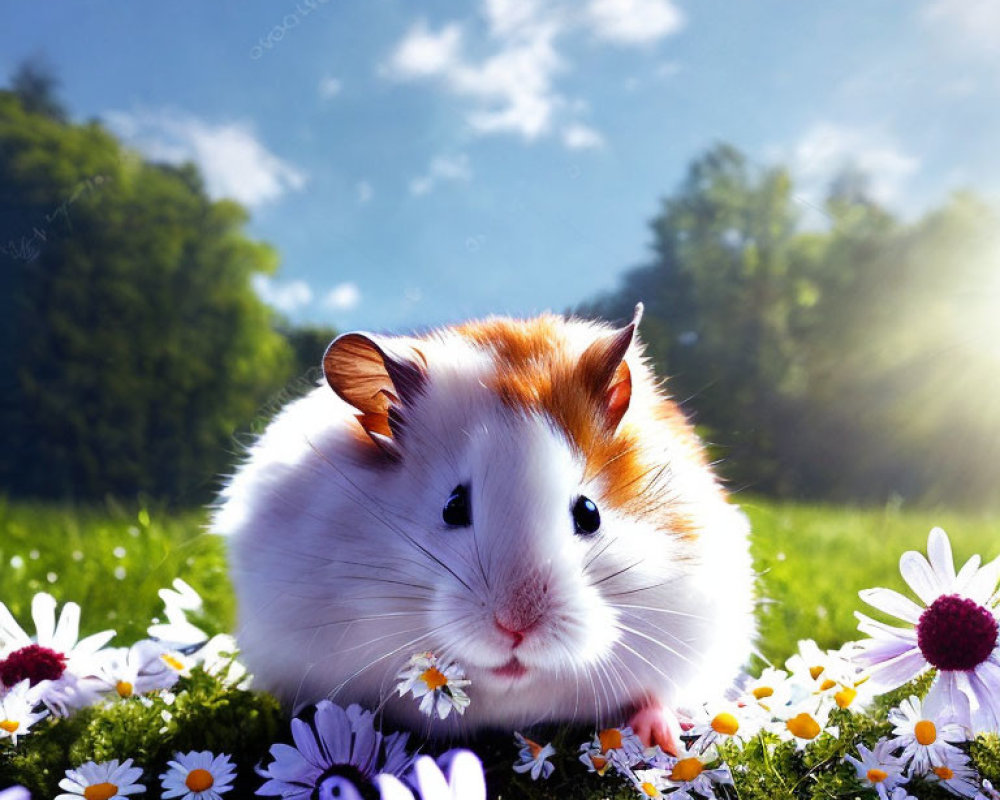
point(512, 669)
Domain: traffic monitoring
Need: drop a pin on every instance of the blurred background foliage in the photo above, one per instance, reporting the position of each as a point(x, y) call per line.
point(853, 360)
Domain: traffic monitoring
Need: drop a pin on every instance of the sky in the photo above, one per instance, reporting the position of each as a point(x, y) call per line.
point(419, 163)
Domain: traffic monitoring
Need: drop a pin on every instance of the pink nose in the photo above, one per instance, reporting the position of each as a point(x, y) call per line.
point(516, 635)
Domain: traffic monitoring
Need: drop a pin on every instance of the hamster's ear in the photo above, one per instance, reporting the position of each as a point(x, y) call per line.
point(606, 374)
point(379, 376)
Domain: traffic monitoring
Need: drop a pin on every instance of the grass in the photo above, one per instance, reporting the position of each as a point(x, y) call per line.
point(812, 561)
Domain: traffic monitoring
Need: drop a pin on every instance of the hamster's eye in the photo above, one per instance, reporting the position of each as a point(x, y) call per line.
point(457, 512)
point(586, 517)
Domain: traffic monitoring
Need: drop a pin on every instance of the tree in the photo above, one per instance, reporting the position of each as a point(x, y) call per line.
point(131, 344)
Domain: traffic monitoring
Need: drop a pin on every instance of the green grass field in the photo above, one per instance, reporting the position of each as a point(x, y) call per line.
point(812, 561)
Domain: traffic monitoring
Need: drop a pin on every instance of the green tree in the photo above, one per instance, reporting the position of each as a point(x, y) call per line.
point(132, 345)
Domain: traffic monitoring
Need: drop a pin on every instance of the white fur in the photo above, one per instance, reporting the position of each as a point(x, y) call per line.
point(344, 569)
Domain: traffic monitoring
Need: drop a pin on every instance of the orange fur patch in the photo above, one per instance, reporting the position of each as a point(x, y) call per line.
point(537, 371)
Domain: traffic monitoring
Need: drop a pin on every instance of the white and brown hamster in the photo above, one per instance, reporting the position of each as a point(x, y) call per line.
point(519, 496)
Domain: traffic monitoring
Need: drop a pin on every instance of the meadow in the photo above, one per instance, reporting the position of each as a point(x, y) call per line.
point(811, 561)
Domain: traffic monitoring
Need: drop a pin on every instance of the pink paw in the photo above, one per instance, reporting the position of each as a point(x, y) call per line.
point(657, 725)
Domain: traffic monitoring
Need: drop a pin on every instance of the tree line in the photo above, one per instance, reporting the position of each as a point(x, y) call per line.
point(853, 360)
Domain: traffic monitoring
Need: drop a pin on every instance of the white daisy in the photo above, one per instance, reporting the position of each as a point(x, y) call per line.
point(198, 776)
point(689, 771)
point(804, 722)
point(17, 711)
point(532, 756)
point(955, 775)
point(618, 747)
point(925, 735)
point(831, 675)
point(177, 633)
point(651, 782)
point(725, 721)
point(986, 792)
point(771, 691)
point(879, 768)
point(440, 685)
point(138, 669)
point(15, 793)
point(955, 631)
point(339, 741)
point(106, 780)
point(53, 660)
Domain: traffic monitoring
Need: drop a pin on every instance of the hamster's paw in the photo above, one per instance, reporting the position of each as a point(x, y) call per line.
point(657, 725)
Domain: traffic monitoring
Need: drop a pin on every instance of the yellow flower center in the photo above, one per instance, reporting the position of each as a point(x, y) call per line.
point(610, 739)
point(100, 791)
point(172, 662)
point(9, 725)
point(845, 696)
point(826, 685)
point(725, 723)
point(434, 678)
point(687, 769)
point(815, 672)
point(534, 747)
point(925, 731)
point(803, 726)
point(944, 773)
point(877, 775)
point(649, 790)
point(762, 691)
point(124, 689)
point(600, 764)
point(198, 780)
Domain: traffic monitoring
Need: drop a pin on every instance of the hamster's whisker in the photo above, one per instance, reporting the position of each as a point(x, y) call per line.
point(609, 540)
point(641, 657)
point(626, 452)
point(671, 611)
point(670, 635)
point(622, 571)
point(328, 623)
point(641, 588)
point(657, 642)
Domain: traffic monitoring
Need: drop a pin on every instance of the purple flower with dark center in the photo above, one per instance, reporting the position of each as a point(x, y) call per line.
point(956, 631)
point(334, 758)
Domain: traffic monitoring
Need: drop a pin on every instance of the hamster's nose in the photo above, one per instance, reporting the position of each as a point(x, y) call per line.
point(516, 635)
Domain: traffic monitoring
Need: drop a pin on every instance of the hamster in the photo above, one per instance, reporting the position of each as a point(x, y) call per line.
point(518, 496)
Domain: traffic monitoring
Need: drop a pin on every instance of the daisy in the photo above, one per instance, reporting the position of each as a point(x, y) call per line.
point(138, 669)
point(457, 775)
point(177, 633)
point(954, 629)
point(17, 711)
point(440, 685)
point(54, 660)
point(101, 781)
point(986, 792)
point(198, 776)
point(925, 736)
point(651, 782)
point(804, 722)
point(725, 722)
point(879, 769)
point(532, 756)
point(769, 692)
point(340, 742)
point(15, 793)
point(955, 775)
point(619, 747)
point(689, 772)
point(831, 675)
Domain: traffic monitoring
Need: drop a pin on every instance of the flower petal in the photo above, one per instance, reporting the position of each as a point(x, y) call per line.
point(305, 741)
point(981, 586)
point(892, 603)
point(430, 780)
point(882, 631)
point(899, 670)
point(334, 729)
point(43, 612)
point(919, 576)
point(942, 561)
point(390, 788)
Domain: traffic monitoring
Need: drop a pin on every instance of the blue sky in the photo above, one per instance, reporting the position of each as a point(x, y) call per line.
point(419, 163)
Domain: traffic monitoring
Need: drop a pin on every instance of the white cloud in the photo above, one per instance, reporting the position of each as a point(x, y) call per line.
point(233, 161)
point(329, 87)
point(365, 192)
point(442, 168)
point(287, 297)
point(971, 25)
point(826, 149)
point(512, 87)
point(343, 297)
point(581, 137)
point(631, 22)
